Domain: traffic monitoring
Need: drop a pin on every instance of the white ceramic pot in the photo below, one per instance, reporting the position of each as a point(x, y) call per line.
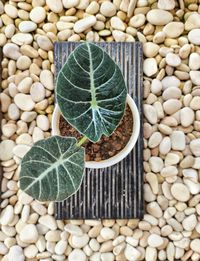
point(123, 153)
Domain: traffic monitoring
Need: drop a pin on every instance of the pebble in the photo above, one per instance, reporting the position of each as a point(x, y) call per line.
point(165, 146)
point(22, 38)
point(159, 17)
point(195, 147)
point(108, 9)
point(20, 150)
point(38, 134)
point(11, 51)
point(150, 113)
point(7, 215)
point(155, 240)
point(194, 36)
point(44, 43)
point(150, 66)
point(169, 171)
point(192, 22)
point(173, 29)
point(27, 26)
point(178, 140)
point(107, 233)
point(170, 81)
point(30, 251)
point(46, 79)
point(131, 253)
point(151, 254)
point(73, 229)
point(16, 253)
point(172, 93)
point(23, 62)
point(77, 254)
point(84, 24)
point(166, 4)
point(194, 61)
point(29, 234)
point(180, 192)
point(9, 129)
point(195, 77)
point(24, 102)
point(70, 3)
point(37, 92)
point(6, 148)
point(171, 106)
point(61, 247)
point(186, 116)
point(117, 23)
point(38, 14)
point(190, 222)
point(173, 60)
point(150, 50)
point(55, 6)
point(43, 122)
point(28, 116)
point(137, 20)
point(195, 243)
point(156, 164)
point(155, 140)
point(79, 241)
point(195, 103)
point(48, 221)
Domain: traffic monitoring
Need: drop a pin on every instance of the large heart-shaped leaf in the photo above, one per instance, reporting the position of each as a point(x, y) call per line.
point(91, 91)
point(52, 169)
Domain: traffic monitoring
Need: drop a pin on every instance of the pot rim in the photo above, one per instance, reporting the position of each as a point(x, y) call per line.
point(122, 153)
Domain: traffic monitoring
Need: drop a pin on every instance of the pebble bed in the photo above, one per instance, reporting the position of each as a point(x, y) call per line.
point(170, 33)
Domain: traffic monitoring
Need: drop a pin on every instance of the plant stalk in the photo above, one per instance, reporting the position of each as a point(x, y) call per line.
point(82, 141)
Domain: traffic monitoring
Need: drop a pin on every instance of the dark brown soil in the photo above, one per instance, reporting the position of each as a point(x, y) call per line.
point(107, 146)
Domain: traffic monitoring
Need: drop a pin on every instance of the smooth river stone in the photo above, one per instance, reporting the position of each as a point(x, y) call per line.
point(178, 140)
point(24, 102)
point(159, 17)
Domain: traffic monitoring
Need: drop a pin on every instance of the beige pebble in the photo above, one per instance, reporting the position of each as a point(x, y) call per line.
point(180, 192)
point(28, 116)
point(186, 116)
point(173, 60)
point(30, 251)
point(155, 240)
point(194, 61)
point(107, 233)
point(192, 21)
point(20, 150)
point(77, 254)
point(44, 43)
point(170, 81)
point(27, 26)
point(159, 17)
point(79, 241)
point(48, 221)
point(73, 229)
point(38, 134)
point(131, 253)
point(70, 3)
point(7, 215)
point(84, 24)
point(117, 23)
point(171, 106)
point(108, 9)
point(195, 147)
point(37, 92)
point(166, 4)
point(150, 113)
point(150, 66)
point(195, 103)
point(11, 51)
point(9, 129)
point(22, 38)
point(156, 164)
point(55, 6)
point(24, 102)
point(195, 245)
point(6, 147)
point(150, 50)
point(195, 77)
point(24, 138)
point(16, 252)
point(194, 36)
point(43, 122)
point(137, 20)
point(173, 29)
point(38, 14)
point(13, 112)
point(178, 140)
point(46, 78)
point(171, 93)
point(23, 62)
point(29, 234)
point(25, 85)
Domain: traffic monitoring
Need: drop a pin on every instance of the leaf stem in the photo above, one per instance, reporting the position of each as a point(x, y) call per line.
point(82, 141)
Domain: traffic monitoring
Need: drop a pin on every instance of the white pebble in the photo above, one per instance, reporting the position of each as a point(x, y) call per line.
point(150, 66)
point(178, 140)
point(159, 17)
point(84, 24)
point(194, 36)
point(16, 253)
point(6, 148)
point(131, 253)
point(180, 192)
point(195, 147)
point(173, 60)
point(76, 255)
point(29, 234)
point(24, 102)
point(155, 240)
point(7, 215)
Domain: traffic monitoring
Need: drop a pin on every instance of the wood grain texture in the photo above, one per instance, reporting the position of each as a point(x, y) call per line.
point(117, 191)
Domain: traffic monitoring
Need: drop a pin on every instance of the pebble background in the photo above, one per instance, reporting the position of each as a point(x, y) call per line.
point(170, 32)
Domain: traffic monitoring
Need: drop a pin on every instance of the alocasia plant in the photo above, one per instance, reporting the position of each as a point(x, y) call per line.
point(91, 94)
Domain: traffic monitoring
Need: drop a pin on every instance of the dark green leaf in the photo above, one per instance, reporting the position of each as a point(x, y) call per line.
point(91, 91)
point(53, 169)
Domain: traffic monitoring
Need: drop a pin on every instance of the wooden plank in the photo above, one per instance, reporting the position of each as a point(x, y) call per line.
point(117, 191)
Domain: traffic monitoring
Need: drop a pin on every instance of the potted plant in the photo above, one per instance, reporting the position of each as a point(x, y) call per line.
point(92, 105)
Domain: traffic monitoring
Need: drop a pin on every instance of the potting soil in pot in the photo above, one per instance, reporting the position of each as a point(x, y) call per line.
point(107, 146)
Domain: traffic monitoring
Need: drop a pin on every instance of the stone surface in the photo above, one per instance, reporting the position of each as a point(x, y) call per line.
point(159, 17)
point(29, 234)
point(180, 192)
